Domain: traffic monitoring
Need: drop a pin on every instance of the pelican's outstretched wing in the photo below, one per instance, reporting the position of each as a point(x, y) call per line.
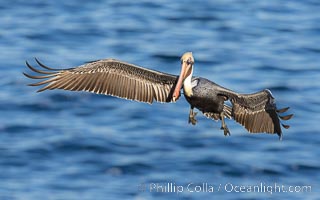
point(257, 112)
point(109, 77)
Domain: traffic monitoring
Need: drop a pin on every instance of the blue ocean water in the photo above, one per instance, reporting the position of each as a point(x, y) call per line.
point(68, 145)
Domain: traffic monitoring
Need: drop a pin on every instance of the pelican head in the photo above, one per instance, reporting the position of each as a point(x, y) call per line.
point(187, 62)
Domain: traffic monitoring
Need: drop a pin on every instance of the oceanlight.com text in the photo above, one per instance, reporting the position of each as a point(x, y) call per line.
point(270, 188)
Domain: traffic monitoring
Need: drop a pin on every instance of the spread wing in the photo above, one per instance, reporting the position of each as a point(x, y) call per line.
point(109, 77)
point(257, 112)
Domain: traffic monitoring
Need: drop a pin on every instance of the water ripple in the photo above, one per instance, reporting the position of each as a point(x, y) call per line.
point(67, 144)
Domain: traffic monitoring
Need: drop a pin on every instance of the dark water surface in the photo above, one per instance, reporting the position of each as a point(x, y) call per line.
point(68, 145)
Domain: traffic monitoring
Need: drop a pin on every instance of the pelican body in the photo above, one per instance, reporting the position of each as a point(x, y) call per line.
point(206, 97)
point(257, 112)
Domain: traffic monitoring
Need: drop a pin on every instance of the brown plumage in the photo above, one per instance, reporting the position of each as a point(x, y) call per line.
point(109, 77)
point(257, 112)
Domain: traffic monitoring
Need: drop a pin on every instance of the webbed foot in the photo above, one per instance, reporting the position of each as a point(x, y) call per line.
point(226, 131)
point(224, 125)
point(192, 118)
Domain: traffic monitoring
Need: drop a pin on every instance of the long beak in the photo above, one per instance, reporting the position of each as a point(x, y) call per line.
point(176, 92)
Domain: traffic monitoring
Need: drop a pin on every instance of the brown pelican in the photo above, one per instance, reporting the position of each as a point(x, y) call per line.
point(257, 112)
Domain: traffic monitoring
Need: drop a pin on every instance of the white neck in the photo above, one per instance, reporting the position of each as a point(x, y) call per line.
point(187, 86)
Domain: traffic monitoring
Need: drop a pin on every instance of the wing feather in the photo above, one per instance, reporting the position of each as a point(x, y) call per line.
point(109, 77)
point(257, 112)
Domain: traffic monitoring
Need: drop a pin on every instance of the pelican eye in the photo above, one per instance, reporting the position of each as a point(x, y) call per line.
point(189, 62)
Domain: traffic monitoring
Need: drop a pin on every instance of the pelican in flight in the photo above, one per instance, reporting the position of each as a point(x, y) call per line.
point(257, 112)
